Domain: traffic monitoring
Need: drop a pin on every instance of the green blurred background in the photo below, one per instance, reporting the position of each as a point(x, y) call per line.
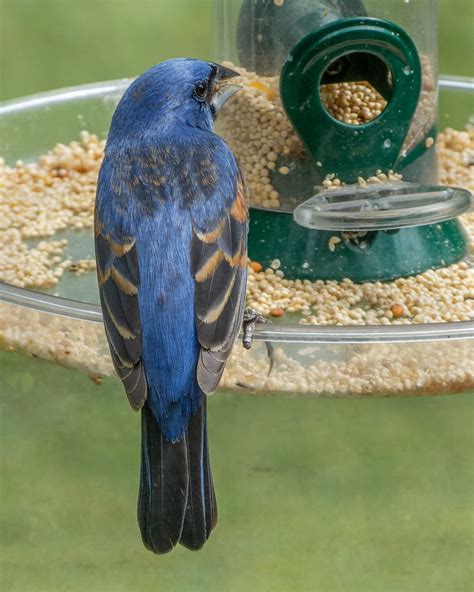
point(49, 44)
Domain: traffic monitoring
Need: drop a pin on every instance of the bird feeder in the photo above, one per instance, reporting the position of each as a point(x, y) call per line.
point(335, 129)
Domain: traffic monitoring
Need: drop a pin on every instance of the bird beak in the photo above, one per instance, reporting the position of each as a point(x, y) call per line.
point(223, 91)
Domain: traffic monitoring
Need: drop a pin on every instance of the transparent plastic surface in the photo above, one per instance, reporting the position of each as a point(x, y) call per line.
point(324, 360)
point(382, 207)
point(254, 21)
point(285, 158)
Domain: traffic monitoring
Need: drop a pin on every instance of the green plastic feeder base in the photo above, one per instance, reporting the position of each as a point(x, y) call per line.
point(376, 256)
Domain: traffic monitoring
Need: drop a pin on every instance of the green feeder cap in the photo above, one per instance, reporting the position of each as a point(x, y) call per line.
point(370, 49)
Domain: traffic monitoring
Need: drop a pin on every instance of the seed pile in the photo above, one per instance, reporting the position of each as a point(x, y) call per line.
point(63, 340)
point(332, 182)
point(39, 199)
point(442, 295)
point(456, 157)
point(352, 103)
point(339, 370)
point(255, 125)
point(57, 192)
point(359, 370)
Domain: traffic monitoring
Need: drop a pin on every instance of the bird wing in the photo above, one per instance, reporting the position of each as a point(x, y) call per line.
point(219, 267)
point(118, 274)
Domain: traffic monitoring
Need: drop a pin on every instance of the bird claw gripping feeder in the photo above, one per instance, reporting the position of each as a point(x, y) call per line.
point(336, 130)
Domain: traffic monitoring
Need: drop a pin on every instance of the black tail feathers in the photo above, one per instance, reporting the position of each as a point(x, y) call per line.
point(176, 501)
point(201, 509)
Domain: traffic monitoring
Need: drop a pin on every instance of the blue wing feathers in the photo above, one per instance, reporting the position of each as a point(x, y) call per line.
point(170, 347)
point(161, 199)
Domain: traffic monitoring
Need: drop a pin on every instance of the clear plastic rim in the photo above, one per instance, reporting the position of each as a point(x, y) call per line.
point(459, 83)
point(279, 332)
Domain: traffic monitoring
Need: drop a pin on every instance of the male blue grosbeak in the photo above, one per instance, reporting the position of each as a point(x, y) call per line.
point(171, 246)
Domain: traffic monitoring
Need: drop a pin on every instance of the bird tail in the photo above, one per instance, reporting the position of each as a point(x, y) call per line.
point(176, 502)
point(200, 517)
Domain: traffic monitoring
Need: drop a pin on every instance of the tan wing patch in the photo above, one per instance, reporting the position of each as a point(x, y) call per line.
point(124, 331)
point(117, 249)
point(123, 283)
point(239, 210)
point(211, 237)
point(236, 259)
point(103, 276)
point(209, 267)
point(215, 312)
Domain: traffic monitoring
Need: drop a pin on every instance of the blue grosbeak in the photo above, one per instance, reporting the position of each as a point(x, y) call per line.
point(171, 226)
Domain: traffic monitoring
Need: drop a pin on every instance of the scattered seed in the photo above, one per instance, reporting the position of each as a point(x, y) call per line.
point(255, 125)
point(275, 264)
point(397, 311)
point(65, 180)
point(96, 378)
point(333, 241)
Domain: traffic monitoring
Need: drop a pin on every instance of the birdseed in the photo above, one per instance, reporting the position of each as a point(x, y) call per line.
point(352, 103)
point(342, 370)
point(40, 199)
point(257, 129)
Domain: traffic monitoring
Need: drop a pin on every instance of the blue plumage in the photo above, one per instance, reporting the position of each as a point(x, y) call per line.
point(169, 341)
point(171, 237)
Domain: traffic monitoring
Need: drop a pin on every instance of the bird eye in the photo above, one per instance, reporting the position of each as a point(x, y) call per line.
point(201, 90)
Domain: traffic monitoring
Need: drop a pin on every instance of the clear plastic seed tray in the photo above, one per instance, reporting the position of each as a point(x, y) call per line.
point(336, 361)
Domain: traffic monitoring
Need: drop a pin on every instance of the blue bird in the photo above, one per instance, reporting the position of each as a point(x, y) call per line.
point(171, 225)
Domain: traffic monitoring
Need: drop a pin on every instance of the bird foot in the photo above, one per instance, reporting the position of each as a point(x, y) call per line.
point(252, 318)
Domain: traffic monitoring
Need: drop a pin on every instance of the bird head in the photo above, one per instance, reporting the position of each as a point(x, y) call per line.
point(181, 91)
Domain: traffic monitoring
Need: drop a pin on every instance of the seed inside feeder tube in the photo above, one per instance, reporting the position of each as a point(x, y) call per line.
point(257, 129)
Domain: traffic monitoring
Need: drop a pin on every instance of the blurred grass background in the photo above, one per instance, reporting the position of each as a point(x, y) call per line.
point(46, 44)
